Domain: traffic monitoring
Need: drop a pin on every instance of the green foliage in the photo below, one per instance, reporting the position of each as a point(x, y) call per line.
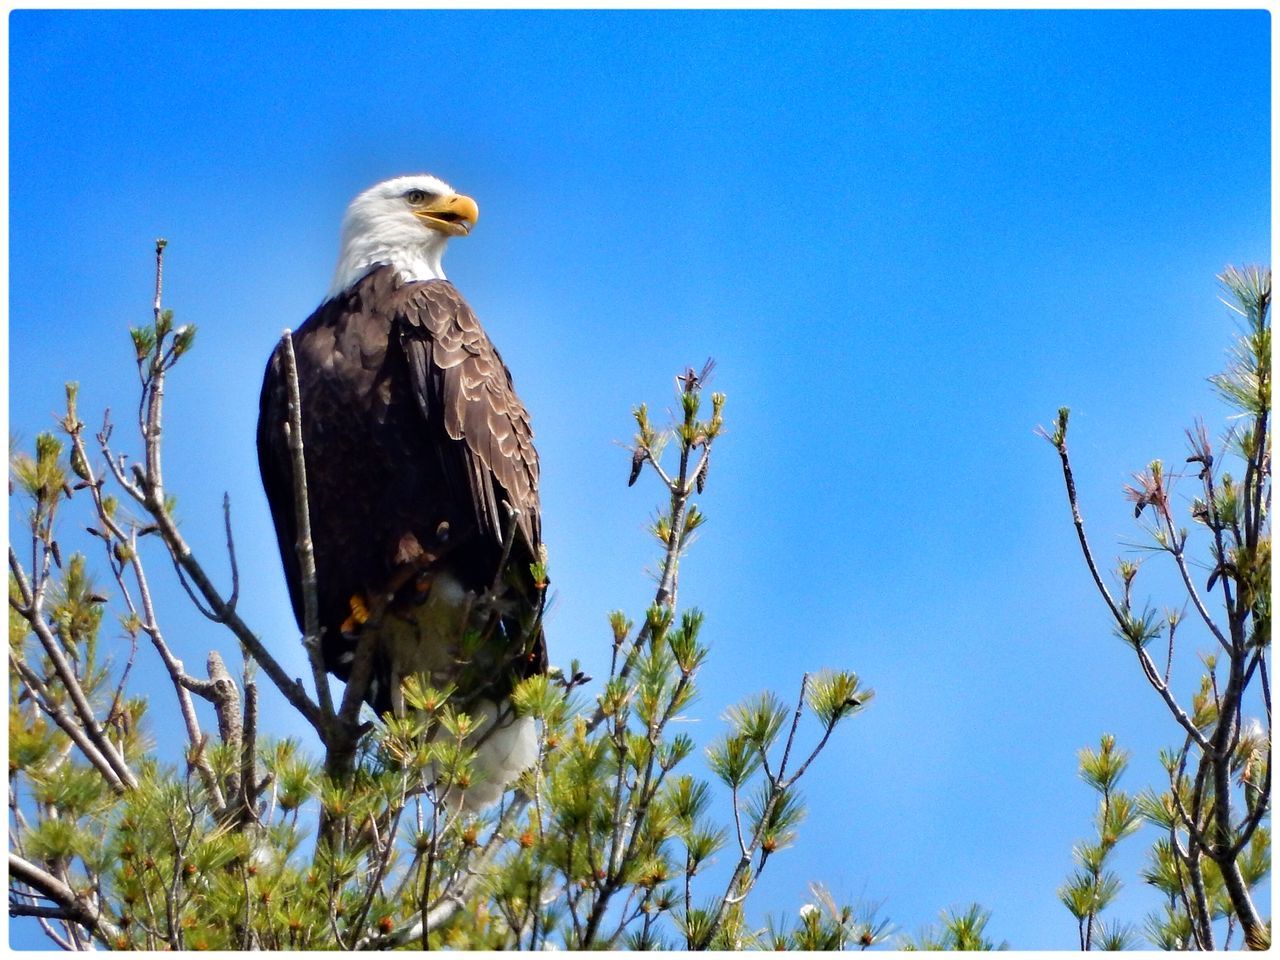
point(1246, 383)
point(1092, 887)
point(1139, 630)
point(835, 694)
point(1122, 936)
point(733, 760)
point(958, 931)
point(825, 924)
point(42, 476)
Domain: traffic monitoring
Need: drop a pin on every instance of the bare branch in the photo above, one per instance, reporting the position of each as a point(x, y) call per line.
point(822, 743)
point(153, 392)
point(161, 243)
point(31, 910)
point(116, 465)
point(150, 624)
point(1060, 444)
point(47, 885)
point(177, 673)
point(302, 517)
point(737, 822)
point(358, 679)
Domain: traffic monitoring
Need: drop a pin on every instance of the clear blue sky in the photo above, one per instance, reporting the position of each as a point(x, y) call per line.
point(907, 238)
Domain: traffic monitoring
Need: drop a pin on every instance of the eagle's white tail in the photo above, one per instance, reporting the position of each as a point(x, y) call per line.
point(506, 746)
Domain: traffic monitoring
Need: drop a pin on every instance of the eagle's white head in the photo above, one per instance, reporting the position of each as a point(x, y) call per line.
point(405, 222)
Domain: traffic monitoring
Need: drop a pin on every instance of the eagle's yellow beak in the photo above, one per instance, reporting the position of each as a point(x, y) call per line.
point(453, 214)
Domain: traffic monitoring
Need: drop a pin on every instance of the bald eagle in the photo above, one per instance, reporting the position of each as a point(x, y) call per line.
point(421, 476)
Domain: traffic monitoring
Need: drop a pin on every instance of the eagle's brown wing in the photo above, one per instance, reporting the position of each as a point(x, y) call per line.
point(458, 376)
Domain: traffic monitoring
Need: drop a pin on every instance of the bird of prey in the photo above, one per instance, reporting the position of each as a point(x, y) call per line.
point(422, 478)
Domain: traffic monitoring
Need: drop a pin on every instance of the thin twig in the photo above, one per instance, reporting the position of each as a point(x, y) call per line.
point(822, 743)
point(231, 552)
point(147, 618)
point(737, 820)
point(1260, 811)
point(1184, 721)
point(1176, 548)
point(795, 724)
point(384, 859)
point(452, 898)
point(196, 602)
point(1078, 520)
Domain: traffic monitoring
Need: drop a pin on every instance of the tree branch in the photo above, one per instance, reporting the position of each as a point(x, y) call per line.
point(76, 909)
point(302, 518)
point(68, 726)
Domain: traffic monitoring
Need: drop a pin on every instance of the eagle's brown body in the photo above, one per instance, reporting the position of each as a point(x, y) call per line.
point(414, 438)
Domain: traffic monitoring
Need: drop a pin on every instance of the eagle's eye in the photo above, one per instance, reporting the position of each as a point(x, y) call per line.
point(416, 197)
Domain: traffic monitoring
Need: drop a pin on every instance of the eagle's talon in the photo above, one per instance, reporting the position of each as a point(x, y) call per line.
point(359, 616)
